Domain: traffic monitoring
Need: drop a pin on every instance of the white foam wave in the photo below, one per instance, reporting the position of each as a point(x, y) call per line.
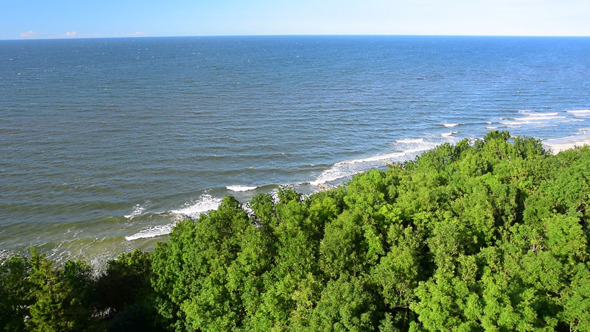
point(151, 232)
point(580, 113)
point(238, 188)
point(569, 142)
point(450, 125)
point(138, 210)
point(5, 253)
point(189, 210)
point(194, 209)
point(275, 195)
point(348, 168)
point(410, 140)
point(449, 134)
point(531, 118)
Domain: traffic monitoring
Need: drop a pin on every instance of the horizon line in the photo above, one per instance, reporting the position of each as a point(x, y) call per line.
point(290, 35)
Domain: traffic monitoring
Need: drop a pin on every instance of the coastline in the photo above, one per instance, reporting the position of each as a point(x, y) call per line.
point(146, 139)
point(557, 145)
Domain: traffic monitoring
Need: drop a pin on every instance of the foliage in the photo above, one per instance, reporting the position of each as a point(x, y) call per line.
point(60, 297)
point(37, 294)
point(14, 288)
point(484, 235)
point(124, 294)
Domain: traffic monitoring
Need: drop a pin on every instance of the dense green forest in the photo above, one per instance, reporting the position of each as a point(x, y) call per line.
point(485, 235)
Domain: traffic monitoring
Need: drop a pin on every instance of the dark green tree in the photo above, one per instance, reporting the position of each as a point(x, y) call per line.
point(14, 292)
point(61, 297)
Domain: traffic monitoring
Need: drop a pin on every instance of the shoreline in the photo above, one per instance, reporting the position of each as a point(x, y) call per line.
point(557, 145)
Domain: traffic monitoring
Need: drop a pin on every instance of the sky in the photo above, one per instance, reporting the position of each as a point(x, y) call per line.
point(39, 19)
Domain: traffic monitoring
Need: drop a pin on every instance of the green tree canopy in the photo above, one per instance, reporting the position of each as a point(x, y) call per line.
point(490, 234)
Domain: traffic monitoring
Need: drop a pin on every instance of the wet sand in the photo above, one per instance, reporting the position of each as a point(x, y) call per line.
point(557, 145)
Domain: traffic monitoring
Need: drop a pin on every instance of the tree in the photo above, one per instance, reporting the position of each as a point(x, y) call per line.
point(61, 297)
point(14, 292)
point(124, 293)
point(346, 305)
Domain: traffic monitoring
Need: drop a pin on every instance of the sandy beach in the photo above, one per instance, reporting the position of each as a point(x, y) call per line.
point(557, 145)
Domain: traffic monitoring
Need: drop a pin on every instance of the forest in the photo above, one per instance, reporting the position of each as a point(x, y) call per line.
point(490, 234)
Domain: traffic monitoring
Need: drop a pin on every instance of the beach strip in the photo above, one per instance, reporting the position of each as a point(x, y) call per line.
point(557, 145)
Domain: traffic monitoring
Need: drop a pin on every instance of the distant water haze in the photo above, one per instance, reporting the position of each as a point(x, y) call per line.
point(106, 143)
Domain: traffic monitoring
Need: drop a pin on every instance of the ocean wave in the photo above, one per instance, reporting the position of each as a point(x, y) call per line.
point(345, 169)
point(531, 118)
point(138, 210)
point(450, 125)
point(568, 142)
point(151, 232)
point(580, 113)
point(192, 210)
point(410, 140)
point(239, 188)
point(449, 134)
point(5, 253)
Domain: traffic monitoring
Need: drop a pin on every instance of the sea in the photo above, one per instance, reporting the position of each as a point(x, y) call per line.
point(105, 144)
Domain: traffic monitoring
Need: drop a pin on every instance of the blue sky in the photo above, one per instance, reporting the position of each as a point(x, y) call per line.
point(21, 19)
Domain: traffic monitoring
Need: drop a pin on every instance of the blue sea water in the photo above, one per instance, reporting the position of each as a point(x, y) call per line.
point(106, 143)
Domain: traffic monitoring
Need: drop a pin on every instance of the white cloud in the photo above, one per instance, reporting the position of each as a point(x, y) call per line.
point(71, 34)
point(27, 34)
